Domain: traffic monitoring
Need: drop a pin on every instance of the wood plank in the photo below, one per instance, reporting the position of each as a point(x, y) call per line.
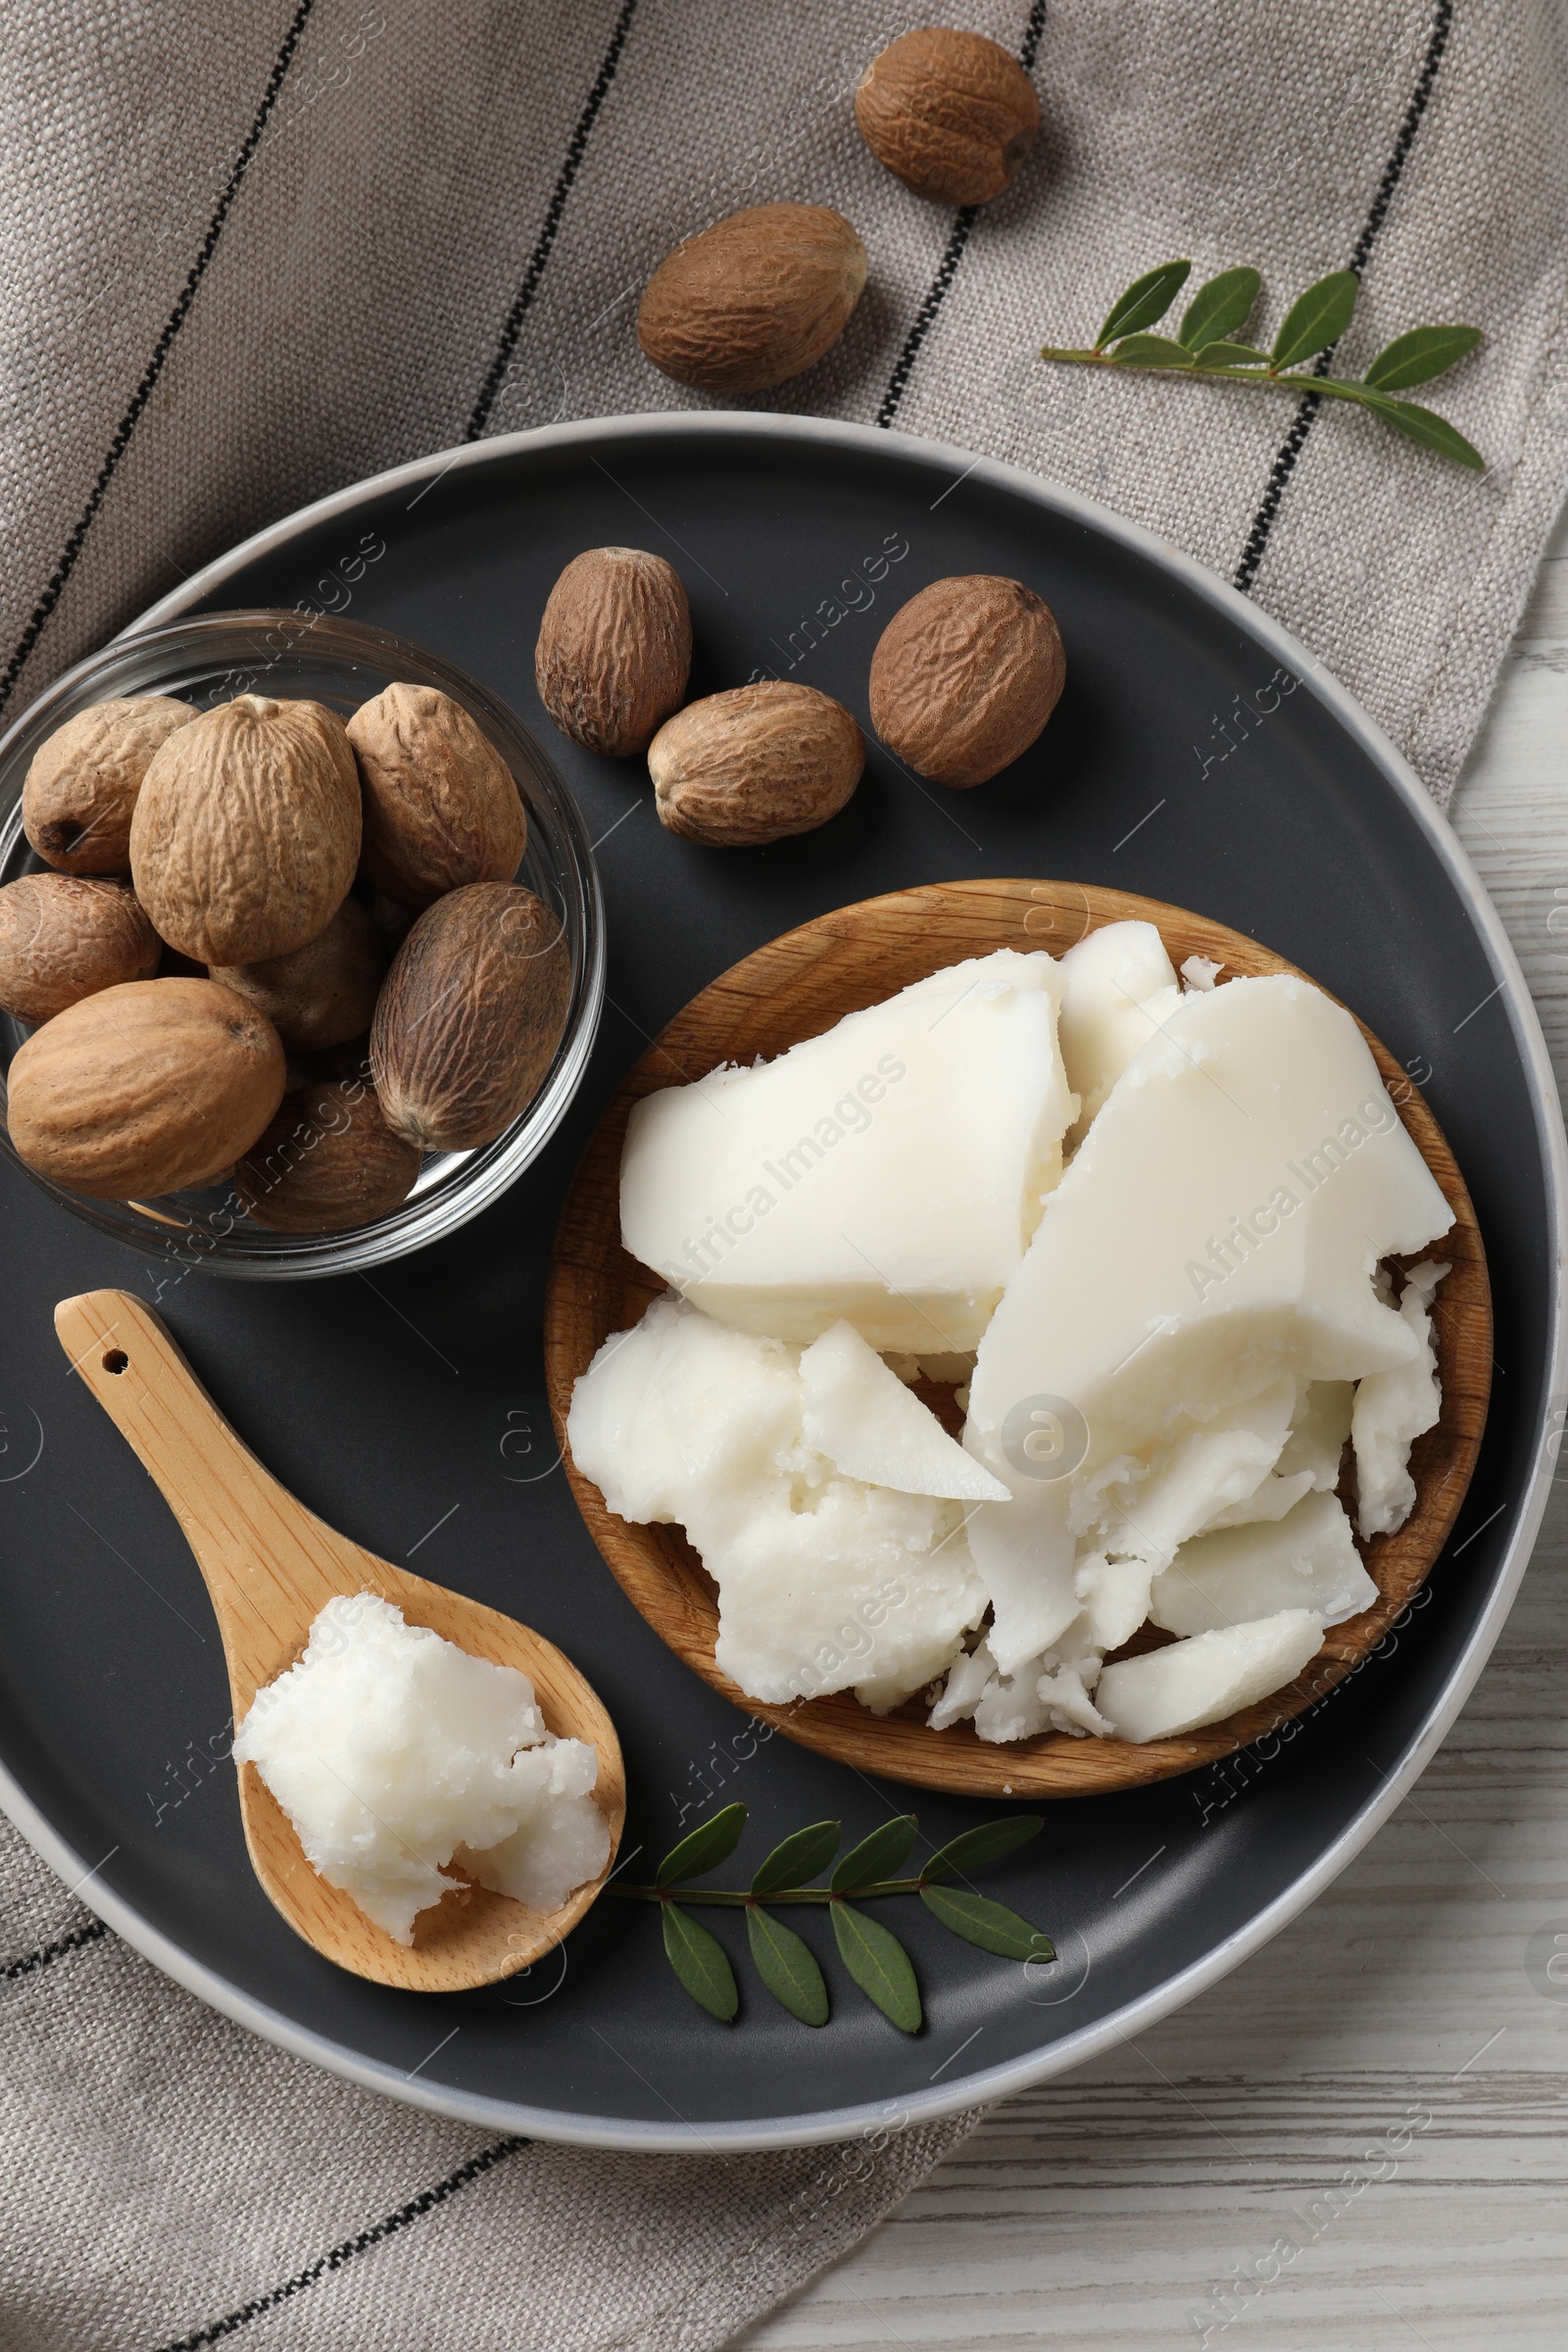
point(1109, 2208)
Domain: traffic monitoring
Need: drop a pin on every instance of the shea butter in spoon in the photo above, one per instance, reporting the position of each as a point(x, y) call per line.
point(431, 1793)
point(395, 1754)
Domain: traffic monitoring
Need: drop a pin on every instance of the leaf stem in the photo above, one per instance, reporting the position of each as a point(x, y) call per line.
point(1289, 380)
point(1425, 426)
point(1243, 375)
point(737, 1898)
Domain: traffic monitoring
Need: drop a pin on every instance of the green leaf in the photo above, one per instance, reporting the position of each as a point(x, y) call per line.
point(799, 1857)
point(1419, 356)
point(787, 1966)
point(700, 1963)
point(879, 1965)
point(977, 1849)
point(878, 1856)
point(1151, 351)
point(1316, 318)
point(1146, 299)
point(1219, 309)
point(992, 1926)
point(709, 1844)
point(1230, 354)
point(1425, 425)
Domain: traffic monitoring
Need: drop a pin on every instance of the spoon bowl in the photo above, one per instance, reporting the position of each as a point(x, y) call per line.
point(270, 1567)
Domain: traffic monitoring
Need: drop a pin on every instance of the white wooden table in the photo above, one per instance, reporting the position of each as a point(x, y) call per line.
point(1118, 2207)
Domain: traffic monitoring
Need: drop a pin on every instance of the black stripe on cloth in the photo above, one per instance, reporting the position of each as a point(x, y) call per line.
point(540, 256)
point(1290, 447)
point(1029, 47)
point(155, 366)
point(937, 291)
point(936, 295)
point(425, 2202)
point(30, 1962)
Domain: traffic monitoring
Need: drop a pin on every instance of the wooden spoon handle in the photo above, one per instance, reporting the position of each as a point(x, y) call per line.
point(265, 1556)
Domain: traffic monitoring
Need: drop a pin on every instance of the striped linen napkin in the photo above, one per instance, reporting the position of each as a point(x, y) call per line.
point(252, 251)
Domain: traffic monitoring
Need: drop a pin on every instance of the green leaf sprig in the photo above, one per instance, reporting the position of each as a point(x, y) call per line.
point(1206, 344)
point(873, 1955)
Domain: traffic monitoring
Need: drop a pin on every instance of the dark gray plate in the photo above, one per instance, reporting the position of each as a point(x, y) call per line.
point(1198, 755)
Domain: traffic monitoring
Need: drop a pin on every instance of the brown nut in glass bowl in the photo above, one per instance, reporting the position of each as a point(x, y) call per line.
point(83, 780)
point(242, 866)
point(64, 937)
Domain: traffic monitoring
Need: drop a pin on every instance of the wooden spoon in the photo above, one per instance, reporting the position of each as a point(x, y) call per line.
point(271, 1566)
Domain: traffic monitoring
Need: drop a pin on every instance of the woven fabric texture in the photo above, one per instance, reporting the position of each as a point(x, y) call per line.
point(254, 252)
point(251, 252)
point(170, 2182)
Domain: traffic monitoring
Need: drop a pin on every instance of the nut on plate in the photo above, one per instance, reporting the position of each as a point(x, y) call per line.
point(143, 1089)
point(83, 783)
point(327, 1160)
point(322, 993)
point(614, 648)
point(755, 299)
point(964, 676)
point(441, 806)
point(948, 113)
point(754, 765)
point(64, 937)
point(246, 831)
point(470, 1016)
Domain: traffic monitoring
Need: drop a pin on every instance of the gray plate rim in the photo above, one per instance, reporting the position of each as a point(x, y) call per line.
point(1092, 2042)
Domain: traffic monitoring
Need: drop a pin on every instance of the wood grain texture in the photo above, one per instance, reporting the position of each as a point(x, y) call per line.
point(269, 1567)
point(795, 988)
point(1105, 2210)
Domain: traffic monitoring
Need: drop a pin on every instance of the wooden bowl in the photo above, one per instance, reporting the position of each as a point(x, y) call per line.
point(797, 987)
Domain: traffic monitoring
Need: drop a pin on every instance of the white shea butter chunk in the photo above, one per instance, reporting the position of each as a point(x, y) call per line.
point(1046, 1694)
point(1198, 1295)
point(1218, 1230)
point(1270, 1498)
point(1025, 1555)
point(1115, 1595)
point(964, 1686)
point(1133, 1512)
point(395, 1754)
point(889, 1173)
point(1393, 1408)
point(1118, 986)
point(1319, 1434)
point(1306, 1560)
point(1308, 1462)
point(1206, 1677)
point(826, 1582)
point(1164, 1498)
point(861, 1416)
point(1065, 1692)
point(1000, 1706)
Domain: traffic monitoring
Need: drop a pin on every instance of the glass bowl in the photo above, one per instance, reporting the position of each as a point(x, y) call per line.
point(343, 664)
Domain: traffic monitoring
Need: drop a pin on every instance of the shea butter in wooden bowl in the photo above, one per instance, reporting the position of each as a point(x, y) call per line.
point(799, 986)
